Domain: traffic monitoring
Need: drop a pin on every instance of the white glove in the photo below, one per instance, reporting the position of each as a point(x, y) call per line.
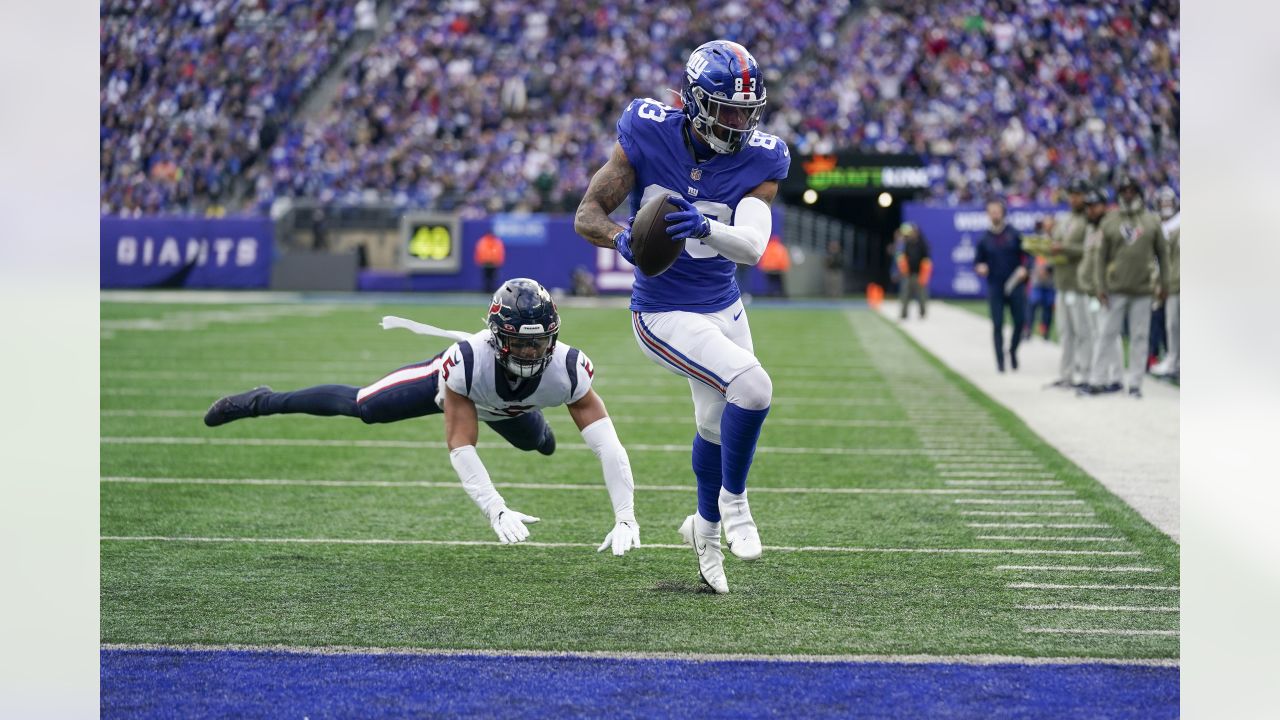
point(509, 524)
point(624, 536)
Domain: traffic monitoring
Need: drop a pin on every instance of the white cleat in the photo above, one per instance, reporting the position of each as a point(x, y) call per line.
point(739, 527)
point(707, 546)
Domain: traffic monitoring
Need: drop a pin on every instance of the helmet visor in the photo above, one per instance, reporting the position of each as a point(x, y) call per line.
point(525, 355)
point(730, 121)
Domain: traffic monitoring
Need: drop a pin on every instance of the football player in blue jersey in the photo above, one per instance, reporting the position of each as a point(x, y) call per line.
point(722, 173)
point(503, 375)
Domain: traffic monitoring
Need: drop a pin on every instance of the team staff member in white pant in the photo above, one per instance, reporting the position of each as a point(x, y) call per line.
point(1066, 252)
point(1095, 209)
point(1131, 240)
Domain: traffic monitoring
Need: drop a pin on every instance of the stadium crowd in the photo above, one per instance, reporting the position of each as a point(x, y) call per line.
point(192, 91)
point(507, 105)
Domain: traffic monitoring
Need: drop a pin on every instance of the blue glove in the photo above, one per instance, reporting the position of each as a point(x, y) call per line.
point(689, 223)
point(623, 242)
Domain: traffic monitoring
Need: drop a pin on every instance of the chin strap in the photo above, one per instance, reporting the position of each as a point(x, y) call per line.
point(390, 322)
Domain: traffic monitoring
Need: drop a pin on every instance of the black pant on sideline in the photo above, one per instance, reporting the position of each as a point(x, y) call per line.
point(1017, 304)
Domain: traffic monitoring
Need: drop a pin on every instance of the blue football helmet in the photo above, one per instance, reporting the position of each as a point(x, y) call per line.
point(525, 324)
point(723, 94)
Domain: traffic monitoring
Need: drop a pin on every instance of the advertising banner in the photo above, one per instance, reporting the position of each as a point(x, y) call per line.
point(953, 233)
point(172, 252)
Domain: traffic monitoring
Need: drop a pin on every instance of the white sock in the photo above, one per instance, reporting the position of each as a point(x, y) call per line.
point(706, 528)
point(729, 498)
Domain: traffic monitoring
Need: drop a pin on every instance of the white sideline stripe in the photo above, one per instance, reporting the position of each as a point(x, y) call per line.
point(1052, 586)
point(1022, 502)
point(1100, 631)
point(495, 543)
point(1003, 483)
point(648, 655)
point(1082, 568)
point(519, 486)
point(437, 445)
point(1053, 526)
point(1101, 608)
point(993, 474)
point(1054, 538)
point(1025, 513)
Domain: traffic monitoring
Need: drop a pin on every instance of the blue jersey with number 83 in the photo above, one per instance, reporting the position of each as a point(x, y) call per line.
point(653, 137)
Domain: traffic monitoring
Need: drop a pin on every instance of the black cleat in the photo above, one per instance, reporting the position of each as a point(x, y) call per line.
point(1114, 387)
point(1060, 384)
point(234, 407)
point(548, 444)
point(1135, 393)
point(1089, 390)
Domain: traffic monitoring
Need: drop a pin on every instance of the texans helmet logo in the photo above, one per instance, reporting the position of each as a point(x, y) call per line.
point(1130, 233)
point(495, 307)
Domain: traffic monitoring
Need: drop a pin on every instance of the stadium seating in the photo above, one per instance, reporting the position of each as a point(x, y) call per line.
point(510, 105)
point(192, 91)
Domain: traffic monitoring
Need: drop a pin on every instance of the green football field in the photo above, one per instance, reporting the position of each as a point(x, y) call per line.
point(902, 511)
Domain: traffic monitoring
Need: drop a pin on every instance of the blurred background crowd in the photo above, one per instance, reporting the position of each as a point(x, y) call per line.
point(216, 106)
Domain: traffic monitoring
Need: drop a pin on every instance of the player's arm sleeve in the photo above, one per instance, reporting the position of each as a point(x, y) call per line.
point(980, 252)
point(603, 441)
point(475, 480)
point(460, 433)
point(745, 240)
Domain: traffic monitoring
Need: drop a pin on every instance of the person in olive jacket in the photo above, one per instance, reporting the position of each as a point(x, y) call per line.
point(1075, 328)
point(1131, 239)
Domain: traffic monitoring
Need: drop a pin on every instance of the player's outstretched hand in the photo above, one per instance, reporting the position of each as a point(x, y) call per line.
point(624, 536)
point(510, 525)
point(688, 222)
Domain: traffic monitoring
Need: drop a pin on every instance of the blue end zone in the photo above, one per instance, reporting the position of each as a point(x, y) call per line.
point(187, 684)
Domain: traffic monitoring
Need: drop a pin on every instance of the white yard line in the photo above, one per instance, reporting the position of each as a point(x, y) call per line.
point(1002, 483)
point(437, 445)
point(588, 487)
point(1052, 586)
point(1024, 513)
point(1054, 538)
point(648, 655)
point(1102, 608)
point(997, 464)
point(1050, 526)
point(1100, 631)
point(495, 543)
point(1080, 568)
point(1020, 502)
point(993, 474)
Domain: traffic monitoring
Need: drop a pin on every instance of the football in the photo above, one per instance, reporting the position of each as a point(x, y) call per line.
point(652, 248)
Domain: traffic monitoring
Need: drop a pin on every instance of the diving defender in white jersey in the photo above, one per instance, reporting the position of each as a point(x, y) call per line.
point(503, 375)
point(723, 174)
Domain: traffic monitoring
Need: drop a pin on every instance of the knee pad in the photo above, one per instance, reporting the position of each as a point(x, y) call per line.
point(752, 390)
